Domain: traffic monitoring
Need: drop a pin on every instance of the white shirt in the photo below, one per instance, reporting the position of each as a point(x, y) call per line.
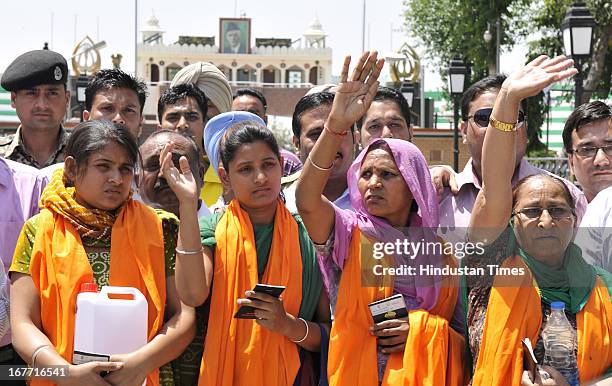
point(595, 233)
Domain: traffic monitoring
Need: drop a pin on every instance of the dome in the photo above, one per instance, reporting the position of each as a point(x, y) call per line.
point(151, 25)
point(315, 28)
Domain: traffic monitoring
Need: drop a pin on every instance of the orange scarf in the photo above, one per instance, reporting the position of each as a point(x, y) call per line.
point(431, 343)
point(239, 351)
point(59, 265)
point(515, 314)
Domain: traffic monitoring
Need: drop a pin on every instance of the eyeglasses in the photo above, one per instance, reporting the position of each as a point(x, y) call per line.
point(481, 117)
point(556, 212)
point(591, 151)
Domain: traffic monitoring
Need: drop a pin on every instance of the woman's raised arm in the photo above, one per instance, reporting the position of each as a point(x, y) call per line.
point(493, 206)
point(352, 100)
point(194, 267)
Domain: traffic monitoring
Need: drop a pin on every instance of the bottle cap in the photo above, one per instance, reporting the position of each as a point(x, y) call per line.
point(557, 305)
point(88, 287)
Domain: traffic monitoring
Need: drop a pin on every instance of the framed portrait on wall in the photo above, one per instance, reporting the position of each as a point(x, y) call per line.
point(234, 36)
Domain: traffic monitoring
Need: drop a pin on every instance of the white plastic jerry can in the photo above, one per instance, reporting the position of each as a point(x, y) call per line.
point(106, 325)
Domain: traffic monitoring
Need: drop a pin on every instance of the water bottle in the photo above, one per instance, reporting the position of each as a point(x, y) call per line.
point(559, 344)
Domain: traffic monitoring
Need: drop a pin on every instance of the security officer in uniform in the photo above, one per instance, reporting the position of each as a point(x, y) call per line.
point(37, 82)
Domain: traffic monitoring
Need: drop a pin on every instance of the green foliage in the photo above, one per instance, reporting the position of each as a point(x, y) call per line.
point(445, 28)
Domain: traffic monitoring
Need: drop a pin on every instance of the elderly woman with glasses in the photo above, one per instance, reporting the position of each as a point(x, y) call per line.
point(529, 258)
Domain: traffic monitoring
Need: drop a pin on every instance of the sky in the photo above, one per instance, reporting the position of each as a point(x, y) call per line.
point(27, 24)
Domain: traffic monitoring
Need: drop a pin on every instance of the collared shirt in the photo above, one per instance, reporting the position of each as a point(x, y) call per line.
point(595, 233)
point(13, 148)
point(456, 210)
point(20, 188)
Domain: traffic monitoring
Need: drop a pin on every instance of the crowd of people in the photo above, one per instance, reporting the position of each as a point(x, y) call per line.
point(209, 205)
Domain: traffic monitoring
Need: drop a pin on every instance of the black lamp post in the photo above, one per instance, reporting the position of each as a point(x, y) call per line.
point(457, 74)
point(81, 85)
point(577, 27)
point(407, 91)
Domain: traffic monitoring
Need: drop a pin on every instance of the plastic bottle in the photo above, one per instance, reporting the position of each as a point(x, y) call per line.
point(106, 325)
point(559, 344)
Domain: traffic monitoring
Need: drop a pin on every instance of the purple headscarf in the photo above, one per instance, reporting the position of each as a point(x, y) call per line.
point(420, 291)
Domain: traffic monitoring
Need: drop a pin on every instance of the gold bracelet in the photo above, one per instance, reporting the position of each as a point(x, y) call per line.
point(318, 167)
point(182, 252)
point(502, 126)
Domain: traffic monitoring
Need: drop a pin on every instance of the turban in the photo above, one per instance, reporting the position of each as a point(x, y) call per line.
point(208, 78)
point(217, 126)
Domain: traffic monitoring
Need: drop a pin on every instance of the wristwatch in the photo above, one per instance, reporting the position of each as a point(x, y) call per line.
point(503, 126)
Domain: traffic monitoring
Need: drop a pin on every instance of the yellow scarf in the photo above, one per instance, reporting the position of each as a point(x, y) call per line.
point(91, 223)
point(239, 351)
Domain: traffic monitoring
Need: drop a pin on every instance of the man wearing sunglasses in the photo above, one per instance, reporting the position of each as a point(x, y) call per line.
point(458, 191)
point(587, 138)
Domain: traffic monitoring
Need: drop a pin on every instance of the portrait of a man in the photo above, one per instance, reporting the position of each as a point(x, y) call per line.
point(235, 35)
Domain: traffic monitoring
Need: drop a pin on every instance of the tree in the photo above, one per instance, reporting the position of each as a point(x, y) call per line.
point(445, 28)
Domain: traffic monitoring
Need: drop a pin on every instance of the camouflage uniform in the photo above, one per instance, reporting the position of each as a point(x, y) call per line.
point(12, 147)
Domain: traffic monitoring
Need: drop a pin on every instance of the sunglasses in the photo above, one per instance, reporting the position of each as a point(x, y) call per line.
point(556, 212)
point(481, 117)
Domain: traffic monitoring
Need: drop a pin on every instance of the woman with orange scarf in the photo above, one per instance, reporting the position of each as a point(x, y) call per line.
point(395, 202)
point(543, 265)
point(91, 230)
point(255, 240)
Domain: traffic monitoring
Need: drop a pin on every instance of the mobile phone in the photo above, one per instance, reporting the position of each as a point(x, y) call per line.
point(248, 312)
point(530, 363)
point(393, 307)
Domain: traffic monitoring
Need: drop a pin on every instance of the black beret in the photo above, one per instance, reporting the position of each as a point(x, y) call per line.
point(34, 68)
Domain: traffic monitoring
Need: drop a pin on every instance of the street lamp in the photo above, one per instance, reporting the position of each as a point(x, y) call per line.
point(81, 86)
point(577, 27)
point(407, 90)
point(457, 74)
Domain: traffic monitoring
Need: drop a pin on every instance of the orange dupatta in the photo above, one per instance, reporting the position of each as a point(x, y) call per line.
point(239, 351)
point(515, 312)
point(59, 265)
point(431, 343)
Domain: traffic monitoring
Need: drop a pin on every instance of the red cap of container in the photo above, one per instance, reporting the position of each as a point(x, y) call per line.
point(88, 287)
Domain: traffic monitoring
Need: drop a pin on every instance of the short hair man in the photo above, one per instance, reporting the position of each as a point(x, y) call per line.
point(587, 138)
point(37, 82)
point(183, 108)
point(152, 186)
point(116, 96)
point(253, 101)
point(308, 121)
point(476, 106)
point(387, 117)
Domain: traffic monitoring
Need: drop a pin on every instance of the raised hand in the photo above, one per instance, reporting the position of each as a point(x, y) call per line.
point(537, 75)
point(181, 182)
point(354, 95)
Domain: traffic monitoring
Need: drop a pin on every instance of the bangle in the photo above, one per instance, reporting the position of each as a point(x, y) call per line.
point(318, 167)
point(342, 135)
point(305, 335)
point(182, 252)
point(502, 126)
point(37, 352)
